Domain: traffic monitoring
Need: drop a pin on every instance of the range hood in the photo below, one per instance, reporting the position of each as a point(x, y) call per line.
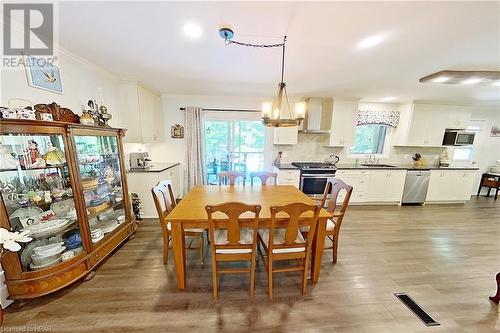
point(318, 118)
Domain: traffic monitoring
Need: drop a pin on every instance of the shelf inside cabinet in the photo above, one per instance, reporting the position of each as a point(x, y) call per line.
point(60, 166)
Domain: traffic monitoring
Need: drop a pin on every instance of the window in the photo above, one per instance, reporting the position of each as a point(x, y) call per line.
point(369, 139)
point(462, 154)
point(233, 145)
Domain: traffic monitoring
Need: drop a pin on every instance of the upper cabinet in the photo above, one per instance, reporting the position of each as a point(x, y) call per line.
point(142, 114)
point(429, 121)
point(286, 135)
point(343, 123)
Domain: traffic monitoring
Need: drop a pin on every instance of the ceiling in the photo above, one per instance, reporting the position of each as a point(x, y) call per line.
point(144, 41)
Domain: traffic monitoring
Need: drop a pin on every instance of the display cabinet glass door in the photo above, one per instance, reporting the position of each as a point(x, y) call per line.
point(36, 191)
point(101, 182)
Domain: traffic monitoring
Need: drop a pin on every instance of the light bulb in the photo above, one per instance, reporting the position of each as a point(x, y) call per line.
point(266, 109)
point(300, 110)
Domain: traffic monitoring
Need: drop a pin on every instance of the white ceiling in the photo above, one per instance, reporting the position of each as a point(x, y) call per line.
point(144, 41)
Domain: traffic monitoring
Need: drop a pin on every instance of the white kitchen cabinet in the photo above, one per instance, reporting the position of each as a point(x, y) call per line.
point(450, 185)
point(142, 114)
point(343, 123)
point(386, 185)
point(288, 177)
point(286, 135)
point(428, 123)
point(142, 182)
point(358, 179)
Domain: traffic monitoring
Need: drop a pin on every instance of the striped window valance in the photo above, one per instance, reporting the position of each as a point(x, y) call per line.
point(378, 117)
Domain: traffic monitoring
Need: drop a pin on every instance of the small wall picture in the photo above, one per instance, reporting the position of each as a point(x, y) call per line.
point(43, 75)
point(495, 131)
point(46, 117)
point(177, 132)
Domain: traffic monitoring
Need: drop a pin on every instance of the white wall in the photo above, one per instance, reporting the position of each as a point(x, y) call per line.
point(80, 81)
point(174, 150)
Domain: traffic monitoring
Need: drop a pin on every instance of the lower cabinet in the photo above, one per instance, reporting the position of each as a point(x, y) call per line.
point(373, 185)
point(288, 177)
point(450, 185)
point(142, 182)
point(386, 185)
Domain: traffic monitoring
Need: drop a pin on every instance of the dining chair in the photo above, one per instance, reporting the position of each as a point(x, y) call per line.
point(333, 224)
point(231, 176)
point(232, 242)
point(164, 201)
point(288, 243)
point(264, 176)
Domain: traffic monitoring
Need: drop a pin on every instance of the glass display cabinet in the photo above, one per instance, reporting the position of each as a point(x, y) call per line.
point(64, 183)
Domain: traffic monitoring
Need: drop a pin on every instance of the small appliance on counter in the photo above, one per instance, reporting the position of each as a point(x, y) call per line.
point(332, 159)
point(140, 161)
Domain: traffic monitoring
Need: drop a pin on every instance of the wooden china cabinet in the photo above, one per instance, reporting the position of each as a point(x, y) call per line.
point(65, 182)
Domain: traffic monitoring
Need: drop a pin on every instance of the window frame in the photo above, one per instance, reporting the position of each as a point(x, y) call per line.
point(385, 150)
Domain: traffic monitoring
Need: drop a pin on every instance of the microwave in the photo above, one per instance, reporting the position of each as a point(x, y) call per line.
point(458, 138)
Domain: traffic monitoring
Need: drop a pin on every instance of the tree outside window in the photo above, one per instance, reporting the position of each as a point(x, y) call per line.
point(369, 139)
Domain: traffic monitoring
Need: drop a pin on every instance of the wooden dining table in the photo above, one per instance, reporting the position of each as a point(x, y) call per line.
point(190, 213)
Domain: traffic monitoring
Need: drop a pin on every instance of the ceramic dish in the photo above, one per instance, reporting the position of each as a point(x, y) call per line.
point(48, 250)
point(108, 226)
point(43, 259)
point(62, 207)
point(28, 251)
point(48, 228)
point(26, 212)
point(45, 265)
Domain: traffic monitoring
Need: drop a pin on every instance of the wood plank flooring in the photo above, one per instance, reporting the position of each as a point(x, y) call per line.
point(444, 256)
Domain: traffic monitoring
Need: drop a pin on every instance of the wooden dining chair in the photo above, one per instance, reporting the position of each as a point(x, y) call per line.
point(231, 242)
point(264, 176)
point(333, 225)
point(231, 176)
point(164, 201)
point(287, 243)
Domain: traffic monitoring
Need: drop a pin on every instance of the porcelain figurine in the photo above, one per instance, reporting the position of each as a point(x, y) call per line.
point(34, 158)
point(86, 118)
point(47, 197)
point(109, 175)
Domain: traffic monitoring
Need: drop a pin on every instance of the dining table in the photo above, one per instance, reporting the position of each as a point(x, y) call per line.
point(190, 213)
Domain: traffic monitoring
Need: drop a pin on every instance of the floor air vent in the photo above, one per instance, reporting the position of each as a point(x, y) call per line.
point(416, 309)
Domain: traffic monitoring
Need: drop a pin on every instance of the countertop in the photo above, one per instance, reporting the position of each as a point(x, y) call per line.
point(156, 167)
point(395, 167)
point(401, 167)
point(286, 167)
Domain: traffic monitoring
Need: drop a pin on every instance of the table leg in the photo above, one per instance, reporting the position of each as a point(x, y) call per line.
point(179, 247)
point(496, 298)
point(317, 251)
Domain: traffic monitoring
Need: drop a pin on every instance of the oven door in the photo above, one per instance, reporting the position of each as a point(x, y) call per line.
point(314, 184)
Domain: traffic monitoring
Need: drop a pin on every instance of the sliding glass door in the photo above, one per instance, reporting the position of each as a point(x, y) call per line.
point(233, 143)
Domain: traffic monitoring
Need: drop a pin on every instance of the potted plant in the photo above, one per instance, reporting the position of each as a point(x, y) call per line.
point(9, 242)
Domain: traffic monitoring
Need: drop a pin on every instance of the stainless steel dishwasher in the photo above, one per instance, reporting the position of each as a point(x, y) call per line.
point(416, 184)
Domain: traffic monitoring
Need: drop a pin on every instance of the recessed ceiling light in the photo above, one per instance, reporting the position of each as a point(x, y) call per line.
point(388, 99)
point(497, 84)
point(192, 30)
point(472, 80)
point(371, 41)
point(441, 79)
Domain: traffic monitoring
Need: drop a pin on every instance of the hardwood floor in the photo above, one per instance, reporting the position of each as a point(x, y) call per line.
point(444, 256)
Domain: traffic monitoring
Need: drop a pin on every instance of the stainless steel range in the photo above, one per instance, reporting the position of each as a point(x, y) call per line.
point(314, 176)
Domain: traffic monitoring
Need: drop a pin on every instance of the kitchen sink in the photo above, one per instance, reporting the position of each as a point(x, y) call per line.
point(378, 165)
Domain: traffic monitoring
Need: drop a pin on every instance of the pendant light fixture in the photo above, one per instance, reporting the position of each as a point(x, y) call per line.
point(278, 112)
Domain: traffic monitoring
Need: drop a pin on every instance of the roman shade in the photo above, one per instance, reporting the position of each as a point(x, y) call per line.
point(377, 117)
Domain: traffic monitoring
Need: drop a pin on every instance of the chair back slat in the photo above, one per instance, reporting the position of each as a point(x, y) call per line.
point(295, 211)
point(233, 211)
point(231, 176)
point(170, 197)
point(337, 186)
point(264, 176)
